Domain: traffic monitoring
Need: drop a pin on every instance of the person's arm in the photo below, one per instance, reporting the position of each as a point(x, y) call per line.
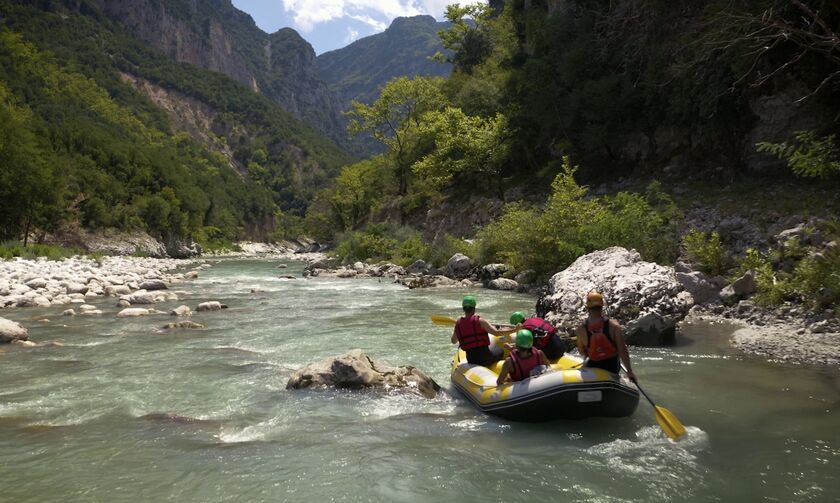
point(454, 338)
point(582, 341)
point(623, 353)
point(503, 374)
point(544, 359)
point(490, 329)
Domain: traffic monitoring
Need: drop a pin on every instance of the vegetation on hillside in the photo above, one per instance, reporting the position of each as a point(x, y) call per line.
point(620, 88)
point(86, 147)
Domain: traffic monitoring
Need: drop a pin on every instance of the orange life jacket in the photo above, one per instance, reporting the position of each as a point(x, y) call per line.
point(470, 334)
point(522, 367)
point(599, 343)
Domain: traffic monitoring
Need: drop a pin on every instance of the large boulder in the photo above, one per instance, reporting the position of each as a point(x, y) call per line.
point(413, 282)
point(153, 284)
point(699, 286)
point(644, 297)
point(11, 331)
point(355, 370)
point(490, 272)
point(418, 267)
point(503, 284)
point(459, 266)
point(740, 289)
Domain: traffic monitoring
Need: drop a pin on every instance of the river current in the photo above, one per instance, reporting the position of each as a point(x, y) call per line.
point(125, 412)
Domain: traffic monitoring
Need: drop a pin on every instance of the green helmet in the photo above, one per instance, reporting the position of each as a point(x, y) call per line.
point(468, 302)
point(517, 317)
point(524, 339)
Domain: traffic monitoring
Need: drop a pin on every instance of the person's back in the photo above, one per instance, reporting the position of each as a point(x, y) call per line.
point(601, 340)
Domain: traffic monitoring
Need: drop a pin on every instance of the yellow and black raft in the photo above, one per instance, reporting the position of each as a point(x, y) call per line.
point(569, 391)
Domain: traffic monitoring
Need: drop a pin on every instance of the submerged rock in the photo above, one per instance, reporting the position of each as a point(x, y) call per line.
point(644, 297)
point(211, 306)
point(356, 370)
point(133, 312)
point(181, 311)
point(183, 324)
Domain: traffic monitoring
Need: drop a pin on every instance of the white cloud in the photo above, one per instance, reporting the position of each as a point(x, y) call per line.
point(378, 14)
point(352, 36)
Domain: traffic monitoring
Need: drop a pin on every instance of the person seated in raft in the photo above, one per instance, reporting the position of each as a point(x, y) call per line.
point(601, 340)
point(545, 335)
point(524, 360)
point(471, 334)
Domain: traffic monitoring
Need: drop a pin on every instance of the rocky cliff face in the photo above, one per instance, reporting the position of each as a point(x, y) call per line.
point(213, 34)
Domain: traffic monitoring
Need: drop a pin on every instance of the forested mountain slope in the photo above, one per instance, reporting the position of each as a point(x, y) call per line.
point(92, 136)
point(358, 71)
point(215, 35)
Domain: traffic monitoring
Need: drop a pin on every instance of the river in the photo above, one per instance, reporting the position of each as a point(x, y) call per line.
point(124, 412)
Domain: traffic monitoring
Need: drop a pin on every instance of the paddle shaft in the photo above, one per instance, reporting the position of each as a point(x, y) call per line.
point(640, 388)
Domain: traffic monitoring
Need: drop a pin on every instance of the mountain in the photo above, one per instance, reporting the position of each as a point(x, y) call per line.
point(100, 130)
point(215, 35)
point(358, 71)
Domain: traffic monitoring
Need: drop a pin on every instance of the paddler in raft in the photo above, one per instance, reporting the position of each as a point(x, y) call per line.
point(545, 335)
point(523, 360)
point(601, 340)
point(471, 333)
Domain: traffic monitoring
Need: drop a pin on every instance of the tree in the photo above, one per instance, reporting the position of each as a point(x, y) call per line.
point(468, 38)
point(357, 192)
point(395, 120)
point(26, 181)
point(463, 144)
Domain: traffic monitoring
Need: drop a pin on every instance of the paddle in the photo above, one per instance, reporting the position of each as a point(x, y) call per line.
point(669, 423)
point(444, 321)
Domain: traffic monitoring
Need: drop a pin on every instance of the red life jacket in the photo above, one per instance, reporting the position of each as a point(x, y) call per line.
point(521, 367)
point(541, 329)
point(470, 334)
point(599, 344)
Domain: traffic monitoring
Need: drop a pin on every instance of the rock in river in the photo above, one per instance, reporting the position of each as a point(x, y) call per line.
point(11, 331)
point(644, 297)
point(355, 370)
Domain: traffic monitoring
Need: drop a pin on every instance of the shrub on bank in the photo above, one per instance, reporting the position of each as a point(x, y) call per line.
point(571, 224)
point(382, 242)
point(706, 251)
point(14, 249)
point(814, 279)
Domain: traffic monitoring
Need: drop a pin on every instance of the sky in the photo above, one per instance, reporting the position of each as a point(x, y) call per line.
point(332, 24)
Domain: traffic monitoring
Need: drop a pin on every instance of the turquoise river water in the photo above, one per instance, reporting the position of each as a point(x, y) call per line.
point(124, 412)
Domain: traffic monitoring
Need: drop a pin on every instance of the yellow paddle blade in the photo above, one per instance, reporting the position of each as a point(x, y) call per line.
point(669, 423)
point(444, 321)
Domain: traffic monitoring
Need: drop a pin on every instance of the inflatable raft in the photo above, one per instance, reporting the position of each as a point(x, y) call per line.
point(569, 391)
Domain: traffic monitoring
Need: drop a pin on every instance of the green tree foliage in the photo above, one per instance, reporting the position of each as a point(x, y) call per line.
point(463, 144)
point(118, 148)
point(468, 38)
point(809, 155)
point(706, 251)
point(395, 120)
point(116, 170)
point(28, 185)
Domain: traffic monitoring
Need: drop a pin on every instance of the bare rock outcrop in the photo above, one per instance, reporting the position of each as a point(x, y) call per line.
point(643, 296)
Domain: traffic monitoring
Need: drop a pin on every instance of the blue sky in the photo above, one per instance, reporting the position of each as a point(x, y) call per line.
point(332, 24)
